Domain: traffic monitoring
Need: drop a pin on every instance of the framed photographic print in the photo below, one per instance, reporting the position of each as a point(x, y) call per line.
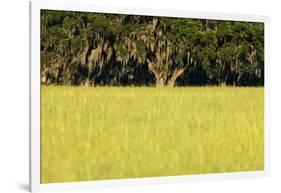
point(130, 96)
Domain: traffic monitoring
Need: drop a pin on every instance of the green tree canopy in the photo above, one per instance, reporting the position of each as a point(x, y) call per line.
point(79, 48)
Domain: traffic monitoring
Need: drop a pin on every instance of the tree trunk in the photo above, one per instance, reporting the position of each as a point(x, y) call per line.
point(171, 83)
point(160, 82)
point(160, 79)
point(176, 74)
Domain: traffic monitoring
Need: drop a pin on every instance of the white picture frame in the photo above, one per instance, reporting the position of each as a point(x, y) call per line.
point(36, 6)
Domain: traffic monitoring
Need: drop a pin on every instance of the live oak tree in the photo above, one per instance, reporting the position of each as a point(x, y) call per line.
point(169, 48)
point(79, 48)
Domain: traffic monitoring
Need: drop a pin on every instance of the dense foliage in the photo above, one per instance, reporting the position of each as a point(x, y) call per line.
point(79, 48)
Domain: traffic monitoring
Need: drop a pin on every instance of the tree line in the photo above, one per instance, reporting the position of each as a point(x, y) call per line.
point(79, 48)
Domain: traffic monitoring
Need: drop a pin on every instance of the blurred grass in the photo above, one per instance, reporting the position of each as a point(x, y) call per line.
point(98, 133)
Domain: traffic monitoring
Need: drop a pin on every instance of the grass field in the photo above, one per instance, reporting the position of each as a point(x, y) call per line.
point(97, 133)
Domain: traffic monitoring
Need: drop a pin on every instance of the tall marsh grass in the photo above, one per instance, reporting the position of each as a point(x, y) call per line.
point(98, 133)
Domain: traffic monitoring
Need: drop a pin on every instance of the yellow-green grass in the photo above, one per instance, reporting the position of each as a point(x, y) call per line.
point(99, 133)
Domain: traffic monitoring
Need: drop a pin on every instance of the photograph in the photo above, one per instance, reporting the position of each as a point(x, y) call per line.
point(126, 96)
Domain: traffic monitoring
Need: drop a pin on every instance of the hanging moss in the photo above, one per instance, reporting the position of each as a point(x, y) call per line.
point(120, 49)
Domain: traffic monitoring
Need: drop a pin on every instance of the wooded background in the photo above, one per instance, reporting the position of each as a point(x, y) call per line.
point(79, 48)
